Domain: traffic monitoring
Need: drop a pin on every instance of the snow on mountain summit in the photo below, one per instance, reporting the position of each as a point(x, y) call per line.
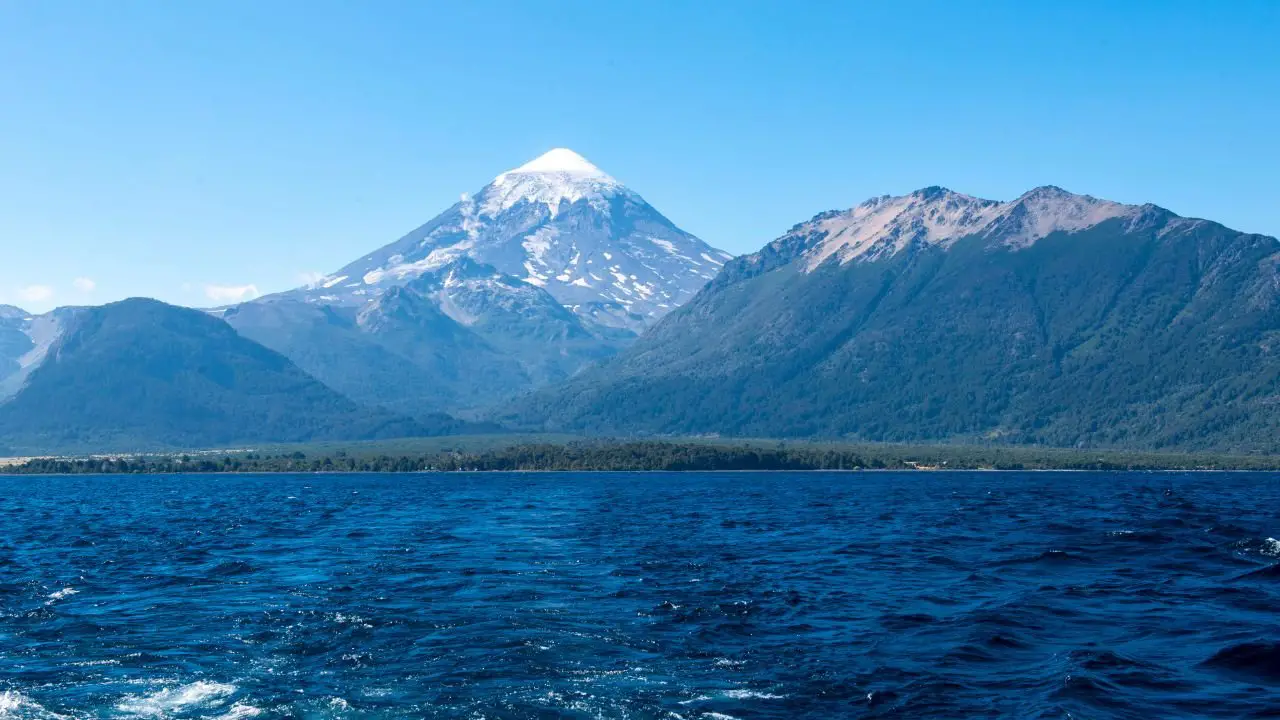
point(557, 222)
point(555, 177)
point(560, 160)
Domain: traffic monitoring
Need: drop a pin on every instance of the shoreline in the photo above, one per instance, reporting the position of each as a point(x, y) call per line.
point(857, 471)
point(458, 455)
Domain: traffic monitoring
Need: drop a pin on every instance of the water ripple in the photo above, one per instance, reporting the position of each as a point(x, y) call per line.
point(1038, 595)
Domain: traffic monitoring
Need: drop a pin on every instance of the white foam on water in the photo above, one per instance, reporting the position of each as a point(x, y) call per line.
point(349, 620)
point(752, 695)
point(165, 702)
point(378, 692)
point(1271, 547)
point(16, 706)
point(65, 592)
point(239, 711)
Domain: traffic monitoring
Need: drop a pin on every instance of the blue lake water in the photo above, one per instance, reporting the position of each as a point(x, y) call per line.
point(769, 595)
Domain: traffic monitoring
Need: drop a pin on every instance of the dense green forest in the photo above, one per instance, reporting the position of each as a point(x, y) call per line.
point(1160, 334)
point(142, 374)
point(655, 456)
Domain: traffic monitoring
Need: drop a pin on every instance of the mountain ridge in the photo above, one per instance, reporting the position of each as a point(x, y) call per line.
point(139, 374)
point(1049, 319)
point(950, 318)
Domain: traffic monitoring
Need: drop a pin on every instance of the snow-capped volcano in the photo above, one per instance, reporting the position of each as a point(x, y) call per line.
point(557, 222)
point(549, 268)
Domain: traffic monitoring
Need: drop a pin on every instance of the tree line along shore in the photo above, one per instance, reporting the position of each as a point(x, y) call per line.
point(601, 456)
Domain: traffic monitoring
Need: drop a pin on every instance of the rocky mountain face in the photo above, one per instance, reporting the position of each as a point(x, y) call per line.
point(552, 266)
point(14, 339)
point(462, 336)
point(25, 339)
point(142, 375)
point(1054, 318)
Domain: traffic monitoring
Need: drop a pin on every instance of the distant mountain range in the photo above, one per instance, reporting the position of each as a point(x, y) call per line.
point(139, 374)
point(551, 267)
point(1055, 318)
point(556, 299)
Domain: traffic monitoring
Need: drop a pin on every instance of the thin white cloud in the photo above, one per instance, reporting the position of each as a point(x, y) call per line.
point(231, 293)
point(311, 279)
point(84, 285)
point(35, 293)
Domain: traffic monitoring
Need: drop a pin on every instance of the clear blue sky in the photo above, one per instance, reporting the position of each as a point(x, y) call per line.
point(162, 148)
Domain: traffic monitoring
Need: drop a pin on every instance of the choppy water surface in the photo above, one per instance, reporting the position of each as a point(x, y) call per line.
point(643, 596)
